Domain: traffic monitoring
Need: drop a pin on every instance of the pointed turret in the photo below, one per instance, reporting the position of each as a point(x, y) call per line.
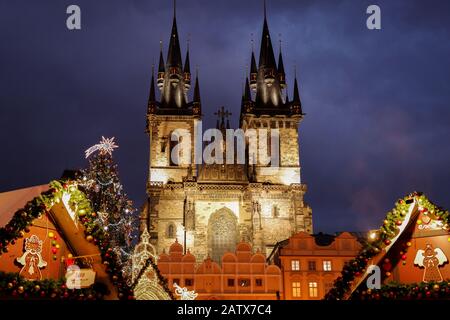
point(196, 103)
point(247, 102)
point(281, 73)
point(161, 67)
point(152, 95)
point(247, 92)
point(152, 103)
point(187, 71)
point(253, 72)
point(296, 105)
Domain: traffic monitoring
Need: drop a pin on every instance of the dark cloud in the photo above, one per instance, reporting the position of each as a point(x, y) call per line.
point(376, 101)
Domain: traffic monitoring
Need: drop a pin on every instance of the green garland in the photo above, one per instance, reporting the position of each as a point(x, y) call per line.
point(15, 287)
point(413, 291)
point(386, 233)
point(40, 205)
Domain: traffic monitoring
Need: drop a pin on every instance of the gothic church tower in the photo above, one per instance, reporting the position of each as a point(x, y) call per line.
point(210, 208)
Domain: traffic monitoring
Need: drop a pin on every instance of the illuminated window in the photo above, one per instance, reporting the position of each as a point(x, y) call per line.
point(311, 265)
point(312, 286)
point(327, 265)
point(296, 291)
point(295, 265)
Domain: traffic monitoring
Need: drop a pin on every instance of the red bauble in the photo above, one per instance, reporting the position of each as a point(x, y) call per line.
point(387, 242)
point(404, 257)
point(387, 266)
point(69, 262)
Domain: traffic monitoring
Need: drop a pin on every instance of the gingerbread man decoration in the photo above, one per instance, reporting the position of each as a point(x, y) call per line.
point(431, 259)
point(32, 259)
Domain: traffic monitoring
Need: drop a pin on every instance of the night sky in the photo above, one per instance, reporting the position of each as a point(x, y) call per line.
point(376, 102)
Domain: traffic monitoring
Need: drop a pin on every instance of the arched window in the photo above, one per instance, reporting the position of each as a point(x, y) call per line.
point(171, 231)
point(222, 233)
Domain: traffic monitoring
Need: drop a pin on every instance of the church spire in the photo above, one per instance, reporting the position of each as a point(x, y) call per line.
point(176, 83)
point(268, 86)
point(196, 90)
point(247, 94)
point(174, 54)
point(253, 70)
point(152, 95)
point(296, 104)
point(187, 70)
point(266, 55)
point(152, 103)
point(281, 73)
point(296, 94)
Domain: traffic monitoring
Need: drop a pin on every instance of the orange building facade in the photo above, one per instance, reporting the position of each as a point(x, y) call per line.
point(311, 263)
point(242, 275)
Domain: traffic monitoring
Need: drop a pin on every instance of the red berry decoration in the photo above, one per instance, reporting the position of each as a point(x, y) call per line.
point(387, 242)
point(399, 222)
point(404, 257)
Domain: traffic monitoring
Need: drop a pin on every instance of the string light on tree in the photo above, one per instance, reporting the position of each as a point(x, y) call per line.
point(112, 210)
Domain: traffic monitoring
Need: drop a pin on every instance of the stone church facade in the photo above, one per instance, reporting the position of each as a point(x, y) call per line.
point(210, 208)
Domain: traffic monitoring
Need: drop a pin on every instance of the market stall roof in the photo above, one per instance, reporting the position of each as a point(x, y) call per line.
point(11, 201)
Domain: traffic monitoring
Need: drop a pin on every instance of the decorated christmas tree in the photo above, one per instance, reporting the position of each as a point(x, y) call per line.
point(114, 211)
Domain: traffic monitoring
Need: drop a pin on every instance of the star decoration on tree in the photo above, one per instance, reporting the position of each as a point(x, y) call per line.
point(106, 145)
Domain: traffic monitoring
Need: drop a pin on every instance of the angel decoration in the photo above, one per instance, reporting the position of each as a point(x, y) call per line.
point(32, 259)
point(184, 294)
point(431, 259)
